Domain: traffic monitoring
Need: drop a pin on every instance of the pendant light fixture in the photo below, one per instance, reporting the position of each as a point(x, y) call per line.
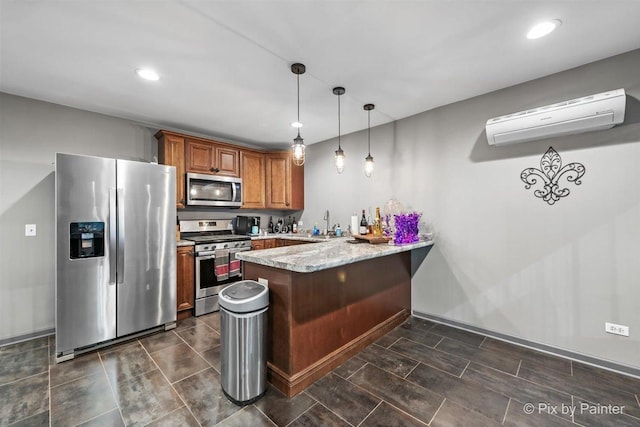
point(298, 147)
point(368, 161)
point(339, 153)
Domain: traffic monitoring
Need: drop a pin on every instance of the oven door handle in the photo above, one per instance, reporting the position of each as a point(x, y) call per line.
point(204, 257)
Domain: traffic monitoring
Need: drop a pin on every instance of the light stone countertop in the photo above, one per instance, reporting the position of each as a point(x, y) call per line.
point(185, 243)
point(330, 253)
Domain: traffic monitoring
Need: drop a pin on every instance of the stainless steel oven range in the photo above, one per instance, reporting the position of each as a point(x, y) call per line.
point(216, 265)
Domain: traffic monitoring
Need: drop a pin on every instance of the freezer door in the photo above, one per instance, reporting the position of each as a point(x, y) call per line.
point(85, 297)
point(146, 295)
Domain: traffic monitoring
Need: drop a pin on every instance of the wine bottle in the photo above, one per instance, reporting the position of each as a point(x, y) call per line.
point(270, 227)
point(363, 224)
point(294, 226)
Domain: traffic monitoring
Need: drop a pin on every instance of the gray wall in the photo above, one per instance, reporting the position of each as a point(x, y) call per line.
point(504, 260)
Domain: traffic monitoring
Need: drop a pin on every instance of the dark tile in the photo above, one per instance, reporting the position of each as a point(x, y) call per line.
point(521, 390)
point(200, 337)
point(179, 362)
point(160, 340)
point(457, 334)
point(81, 400)
point(145, 398)
point(23, 346)
point(390, 361)
point(411, 332)
point(423, 323)
point(212, 320)
point(187, 323)
point(522, 414)
point(530, 358)
point(491, 358)
point(39, 420)
point(586, 374)
point(404, 395)
point(349, 367)
point(178, 418)
point(110, 419)
point(602, 415)
point(126, 362)
point(23, 399)
point(453, 364)
point(281, 409)
point(452, 415)
point(595, 390)
point(342, 397)
point(213, 357)
point(386, 415)
point(203, 395)
point(461, 391)
point(78, 367)
point(14, 365)
point(318, 415)
point(248, 416)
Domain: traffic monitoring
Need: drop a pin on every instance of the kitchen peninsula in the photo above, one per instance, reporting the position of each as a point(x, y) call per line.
point(328, 300)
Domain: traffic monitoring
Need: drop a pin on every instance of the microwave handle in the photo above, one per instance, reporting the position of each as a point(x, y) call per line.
point(234, 191)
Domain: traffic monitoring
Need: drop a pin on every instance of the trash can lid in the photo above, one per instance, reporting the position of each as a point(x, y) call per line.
point(244, 296)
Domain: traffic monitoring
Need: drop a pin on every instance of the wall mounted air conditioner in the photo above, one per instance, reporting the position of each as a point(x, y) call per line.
point(594, 112)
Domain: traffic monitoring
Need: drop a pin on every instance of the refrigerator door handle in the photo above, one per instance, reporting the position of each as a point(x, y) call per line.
point(120, 250)
point(113, 224)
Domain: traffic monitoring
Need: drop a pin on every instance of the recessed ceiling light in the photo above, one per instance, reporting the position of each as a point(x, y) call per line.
point(543, 28)
point(296, 124)
point(147, 74)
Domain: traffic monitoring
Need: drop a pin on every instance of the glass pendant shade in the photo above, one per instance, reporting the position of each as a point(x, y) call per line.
point(339, 160)
point(368, 166)
point(298, 149)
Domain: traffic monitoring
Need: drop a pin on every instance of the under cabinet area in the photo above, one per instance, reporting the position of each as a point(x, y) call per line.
point(185, 279)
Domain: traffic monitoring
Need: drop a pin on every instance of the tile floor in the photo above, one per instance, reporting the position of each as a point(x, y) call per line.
point(419, 374)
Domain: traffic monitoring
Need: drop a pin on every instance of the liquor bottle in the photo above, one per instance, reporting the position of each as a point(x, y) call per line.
point(377, 224)
point(294, 226)
point(270, 227)
point(363, 224)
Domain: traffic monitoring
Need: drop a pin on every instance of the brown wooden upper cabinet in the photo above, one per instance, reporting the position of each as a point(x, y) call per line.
point(171, 152)
point(284, 182)
point(210, 158)
point(252, 172)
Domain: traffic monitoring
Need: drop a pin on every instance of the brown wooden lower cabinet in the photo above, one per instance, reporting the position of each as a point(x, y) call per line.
point(318, 320)
point(185, 281)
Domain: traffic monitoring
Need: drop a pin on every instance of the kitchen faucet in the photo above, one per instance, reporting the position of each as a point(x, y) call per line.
point(326, 218)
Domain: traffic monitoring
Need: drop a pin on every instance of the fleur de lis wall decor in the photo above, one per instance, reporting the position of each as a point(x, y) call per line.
point(550, 172)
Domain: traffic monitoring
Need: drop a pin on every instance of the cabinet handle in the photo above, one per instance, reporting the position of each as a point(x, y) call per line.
point(215, 170)
point(287, 203)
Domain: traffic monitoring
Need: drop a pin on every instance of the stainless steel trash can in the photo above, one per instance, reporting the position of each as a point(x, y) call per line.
point(243, 352)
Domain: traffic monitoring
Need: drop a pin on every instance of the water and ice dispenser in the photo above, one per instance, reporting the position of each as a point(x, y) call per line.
point(86, 239)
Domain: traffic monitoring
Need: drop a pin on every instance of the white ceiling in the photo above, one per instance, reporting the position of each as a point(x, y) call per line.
point(224, 65)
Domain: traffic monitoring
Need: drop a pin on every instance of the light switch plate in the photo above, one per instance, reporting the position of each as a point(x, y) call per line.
point(29, 230)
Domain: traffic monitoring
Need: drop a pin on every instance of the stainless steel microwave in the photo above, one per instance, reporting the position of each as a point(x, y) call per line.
point(213, 190)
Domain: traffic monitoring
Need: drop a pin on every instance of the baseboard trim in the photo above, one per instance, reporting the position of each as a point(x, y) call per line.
point(544, 348)
point(27, 337)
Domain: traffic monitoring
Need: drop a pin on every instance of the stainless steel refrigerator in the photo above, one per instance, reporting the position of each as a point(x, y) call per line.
point(115, 250)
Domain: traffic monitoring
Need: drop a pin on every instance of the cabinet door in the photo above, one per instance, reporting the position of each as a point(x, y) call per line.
point(284, 182)
point(270, 243)
point(171, 152)
point(252, 171)
point(199, 156)
point(257, 245)
point(227, 161)
point(185, 278)
point(278, 180)
point(280, 243)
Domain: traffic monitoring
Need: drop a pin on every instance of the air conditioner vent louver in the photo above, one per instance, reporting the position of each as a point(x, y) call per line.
point(589, 113)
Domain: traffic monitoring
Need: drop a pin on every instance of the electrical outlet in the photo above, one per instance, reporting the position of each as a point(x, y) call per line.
point(29, 230)
point(263, 281)
point(612, 328)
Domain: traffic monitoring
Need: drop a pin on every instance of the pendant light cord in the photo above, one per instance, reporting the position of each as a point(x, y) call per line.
point(339, 148)
point(369, 130)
